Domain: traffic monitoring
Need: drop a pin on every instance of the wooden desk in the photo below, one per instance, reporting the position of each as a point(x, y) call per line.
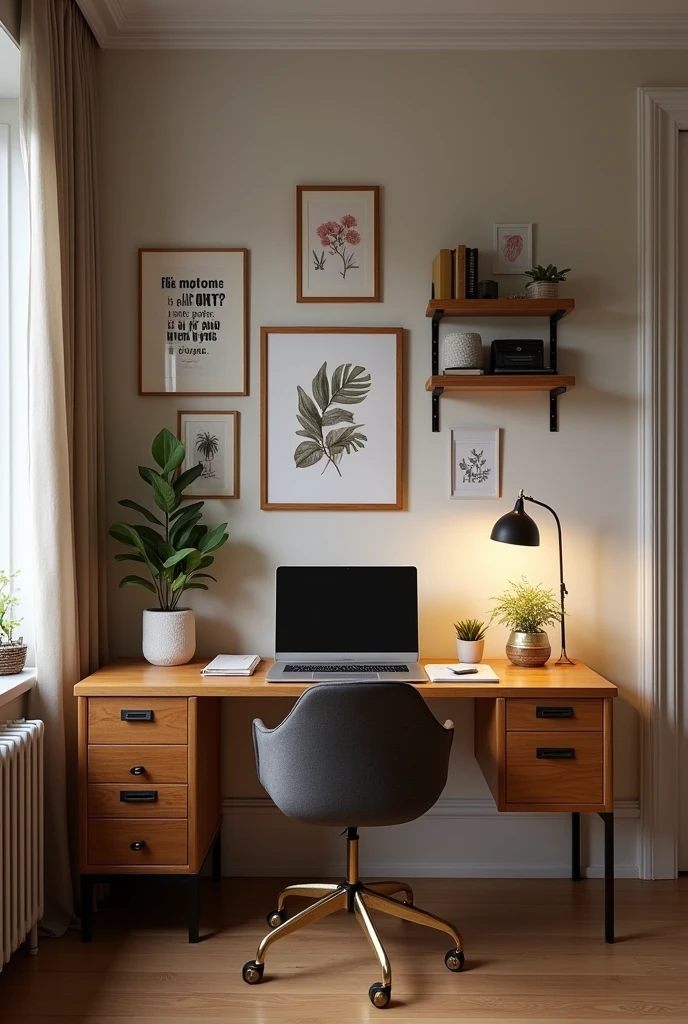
point(149, 761)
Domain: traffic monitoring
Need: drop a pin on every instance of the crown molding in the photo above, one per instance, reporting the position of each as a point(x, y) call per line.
point(115, 29)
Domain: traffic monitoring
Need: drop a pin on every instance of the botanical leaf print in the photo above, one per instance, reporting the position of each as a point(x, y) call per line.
point(350, 385)
point(476, 470)
point(512, 247)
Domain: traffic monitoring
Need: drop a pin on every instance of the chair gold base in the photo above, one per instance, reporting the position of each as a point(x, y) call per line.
point(358, 898)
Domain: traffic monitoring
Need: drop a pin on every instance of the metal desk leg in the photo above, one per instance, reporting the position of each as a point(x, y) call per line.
point(608, 819)
point(194, 899)
point(217, 857)
point(86, 908)
point(576, 846)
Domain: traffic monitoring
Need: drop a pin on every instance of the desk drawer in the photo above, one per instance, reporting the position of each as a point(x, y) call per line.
point(153, 764)
point(137, 720)
point(554, 767)
point(132, 801)
point(553, 715)
point(110, 842)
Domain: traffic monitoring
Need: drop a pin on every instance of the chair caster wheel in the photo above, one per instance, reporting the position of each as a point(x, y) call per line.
point(252, 972)
point(276, 917)
point(380, 995)
point(454, 960)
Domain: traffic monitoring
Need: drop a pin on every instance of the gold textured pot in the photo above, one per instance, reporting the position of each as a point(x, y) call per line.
point(529, 650)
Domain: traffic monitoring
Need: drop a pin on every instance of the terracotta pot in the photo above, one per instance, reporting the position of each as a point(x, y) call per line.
point(528, 650)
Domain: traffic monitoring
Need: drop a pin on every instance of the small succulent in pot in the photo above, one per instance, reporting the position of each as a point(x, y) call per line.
point(470, 640)
point(525, 609)
point(12, 651)
point(544, 283)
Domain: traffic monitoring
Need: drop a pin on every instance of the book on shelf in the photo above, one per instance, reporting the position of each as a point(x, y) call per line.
point(461, 371)
point(459, 255)
point(471, 273)
point(442, 275)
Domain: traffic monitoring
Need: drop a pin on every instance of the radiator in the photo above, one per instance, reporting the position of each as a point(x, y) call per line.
point(21, 835)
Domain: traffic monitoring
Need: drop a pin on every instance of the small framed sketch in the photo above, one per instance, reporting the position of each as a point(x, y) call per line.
point(193, 321)
point(211, 438)
point(475, 464)
point(331, 423)
point(338, 243)
point(513, 248)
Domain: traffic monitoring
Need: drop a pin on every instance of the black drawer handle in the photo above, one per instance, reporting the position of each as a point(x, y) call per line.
point(137, 769)
point(137, 845)
point(135, 716)
point(556, 753)
point(138, 796)
point(554, 712)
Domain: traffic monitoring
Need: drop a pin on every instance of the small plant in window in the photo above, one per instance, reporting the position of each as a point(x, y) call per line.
point(12, 650)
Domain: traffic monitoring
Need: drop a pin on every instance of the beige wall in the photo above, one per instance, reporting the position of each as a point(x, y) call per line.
point(10, 17)
point(206, 148)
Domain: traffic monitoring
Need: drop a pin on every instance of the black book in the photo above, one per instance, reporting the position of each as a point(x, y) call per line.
point(471, 273)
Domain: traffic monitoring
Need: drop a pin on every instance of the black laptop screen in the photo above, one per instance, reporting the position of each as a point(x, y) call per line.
point(343, 609)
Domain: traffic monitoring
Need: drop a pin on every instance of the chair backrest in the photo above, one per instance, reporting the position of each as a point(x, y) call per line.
point(354, 753)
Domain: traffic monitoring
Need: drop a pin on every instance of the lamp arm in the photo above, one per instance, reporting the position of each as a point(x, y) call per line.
point(562, 586)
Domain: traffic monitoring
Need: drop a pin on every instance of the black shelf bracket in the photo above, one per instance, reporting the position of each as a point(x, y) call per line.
point(553, 410)
point(436, 392)
point(436, 317)
point(553, 321)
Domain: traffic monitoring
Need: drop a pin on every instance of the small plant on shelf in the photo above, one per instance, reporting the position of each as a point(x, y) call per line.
point(544, 283)
point(12, 652)
point(470, 640)
point(525, 609)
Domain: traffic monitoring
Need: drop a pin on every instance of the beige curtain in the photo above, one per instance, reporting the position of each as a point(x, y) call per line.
point(58, 126)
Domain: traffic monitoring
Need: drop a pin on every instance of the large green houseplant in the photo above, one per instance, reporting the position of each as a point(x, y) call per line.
point(525, 609)
point(175, 555)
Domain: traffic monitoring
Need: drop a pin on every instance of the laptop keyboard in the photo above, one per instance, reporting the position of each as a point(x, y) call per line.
point(348, 668)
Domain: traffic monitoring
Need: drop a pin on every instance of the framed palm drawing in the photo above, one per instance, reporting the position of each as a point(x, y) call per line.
point(211, 438)
point(331, 418)
point(338, 243)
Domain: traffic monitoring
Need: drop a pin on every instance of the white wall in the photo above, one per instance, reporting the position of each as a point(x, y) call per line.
point(206, 148)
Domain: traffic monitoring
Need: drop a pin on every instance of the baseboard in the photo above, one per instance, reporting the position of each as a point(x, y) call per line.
point(435, 846)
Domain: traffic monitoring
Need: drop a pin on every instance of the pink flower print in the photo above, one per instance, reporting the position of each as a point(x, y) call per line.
point(349, 222)
point(337, 235)
point(512, 247)
point(352, 237)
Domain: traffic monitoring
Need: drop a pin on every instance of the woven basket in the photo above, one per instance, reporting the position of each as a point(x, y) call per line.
point(542, 290)
point(12, 658)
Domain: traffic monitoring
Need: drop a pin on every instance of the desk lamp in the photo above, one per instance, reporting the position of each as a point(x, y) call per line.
point(516, 527)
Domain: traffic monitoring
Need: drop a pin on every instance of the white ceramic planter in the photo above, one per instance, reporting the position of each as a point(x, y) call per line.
point(169, 638)
point(470, 652)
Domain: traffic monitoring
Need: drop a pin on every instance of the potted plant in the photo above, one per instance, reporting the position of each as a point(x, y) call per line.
point(470, 640)
point(526, 609)
point(175, 556)
point(545, 282)
point(12, 652)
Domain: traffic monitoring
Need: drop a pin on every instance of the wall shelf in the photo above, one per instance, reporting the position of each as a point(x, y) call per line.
point(556, 384)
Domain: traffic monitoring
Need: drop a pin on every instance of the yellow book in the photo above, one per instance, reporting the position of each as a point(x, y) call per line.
point(459, 272)
point(442, 275)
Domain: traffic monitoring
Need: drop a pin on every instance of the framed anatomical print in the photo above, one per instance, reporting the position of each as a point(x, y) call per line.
point(331, 418)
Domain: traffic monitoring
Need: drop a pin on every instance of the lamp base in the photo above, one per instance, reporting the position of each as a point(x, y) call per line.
point(564, 659)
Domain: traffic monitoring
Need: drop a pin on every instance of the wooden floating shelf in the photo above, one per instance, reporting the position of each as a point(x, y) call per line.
point(501, 382)
point(500, 307)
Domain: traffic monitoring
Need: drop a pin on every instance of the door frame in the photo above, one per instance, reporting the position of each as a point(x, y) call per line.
point(662, 113)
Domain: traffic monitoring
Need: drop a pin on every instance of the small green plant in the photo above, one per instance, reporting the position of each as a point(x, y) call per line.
point(470, 629)
point(176, 557)
point(525, 608)
point(549, 273)
point(8, 601)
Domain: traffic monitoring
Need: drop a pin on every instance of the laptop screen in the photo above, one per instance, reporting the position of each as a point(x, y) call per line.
point(346, 609)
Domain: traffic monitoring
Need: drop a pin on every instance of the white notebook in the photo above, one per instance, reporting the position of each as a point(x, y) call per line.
point(442, 673)
point(231, 665)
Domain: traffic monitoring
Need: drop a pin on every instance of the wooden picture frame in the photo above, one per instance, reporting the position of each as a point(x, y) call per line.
point(230, 470)
point(310, 361)
point(185, 361)
point(323, 258)
point(513, 248)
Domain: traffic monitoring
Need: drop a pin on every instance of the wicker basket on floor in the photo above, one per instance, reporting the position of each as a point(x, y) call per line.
point(12, 658)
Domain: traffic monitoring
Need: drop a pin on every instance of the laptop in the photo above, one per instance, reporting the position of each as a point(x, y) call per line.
point(346, 622)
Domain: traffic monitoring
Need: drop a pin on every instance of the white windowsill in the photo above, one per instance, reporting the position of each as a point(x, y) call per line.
point(14, 685)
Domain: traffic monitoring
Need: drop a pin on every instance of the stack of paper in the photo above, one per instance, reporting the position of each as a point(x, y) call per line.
point(444, 674)
point(231, 665)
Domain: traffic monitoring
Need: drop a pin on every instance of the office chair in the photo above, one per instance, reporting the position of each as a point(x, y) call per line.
point(369, 753)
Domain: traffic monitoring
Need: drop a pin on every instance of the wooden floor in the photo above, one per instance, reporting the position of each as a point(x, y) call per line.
point(534, 952)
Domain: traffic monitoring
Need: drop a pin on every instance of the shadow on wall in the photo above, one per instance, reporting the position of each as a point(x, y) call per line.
point(243, 574)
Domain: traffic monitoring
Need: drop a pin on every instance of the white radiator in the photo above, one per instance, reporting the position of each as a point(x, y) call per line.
point(21, 835)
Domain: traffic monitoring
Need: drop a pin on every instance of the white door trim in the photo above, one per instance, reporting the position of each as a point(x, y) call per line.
point(662, 113)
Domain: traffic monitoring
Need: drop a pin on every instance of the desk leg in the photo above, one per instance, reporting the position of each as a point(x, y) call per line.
point(608, 819)
point(576, 846)
point(86, 908)
point(194, 910)
point(217, 857)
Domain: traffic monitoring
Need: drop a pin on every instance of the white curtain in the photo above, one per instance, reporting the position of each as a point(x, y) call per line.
point(58, 126)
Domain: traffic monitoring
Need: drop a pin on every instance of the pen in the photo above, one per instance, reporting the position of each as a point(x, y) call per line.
point(461, 671)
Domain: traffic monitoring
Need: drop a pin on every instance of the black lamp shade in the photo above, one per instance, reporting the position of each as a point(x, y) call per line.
point(516, 527)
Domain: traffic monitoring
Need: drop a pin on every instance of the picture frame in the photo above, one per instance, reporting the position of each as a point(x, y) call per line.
point(213, 439)
point(331, 419)
point(475, 464)
point(193, 322)
point(513, 248)
point(341, 264)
